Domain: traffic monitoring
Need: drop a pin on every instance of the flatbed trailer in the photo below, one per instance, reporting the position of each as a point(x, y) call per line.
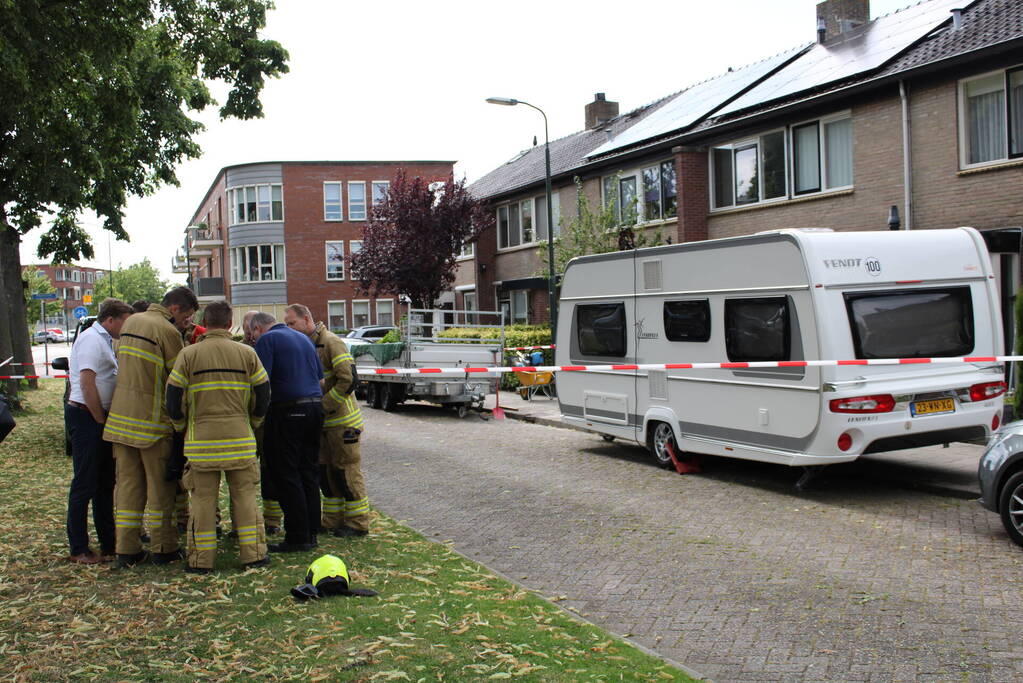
point(421, 348)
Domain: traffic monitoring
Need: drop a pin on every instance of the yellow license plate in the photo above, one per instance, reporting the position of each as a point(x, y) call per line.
point(941, 405)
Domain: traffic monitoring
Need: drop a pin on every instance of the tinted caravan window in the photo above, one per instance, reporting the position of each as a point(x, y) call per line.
point(757, 329)
point(919, 323)
point(687, 320)
point(600, 329)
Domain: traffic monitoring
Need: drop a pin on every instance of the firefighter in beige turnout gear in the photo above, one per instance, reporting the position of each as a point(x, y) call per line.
point(140, 430)
point(216, 391)
point(345, 503)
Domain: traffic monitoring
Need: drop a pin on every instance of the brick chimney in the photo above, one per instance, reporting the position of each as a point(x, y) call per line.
point(840, 16)
point(600, 111)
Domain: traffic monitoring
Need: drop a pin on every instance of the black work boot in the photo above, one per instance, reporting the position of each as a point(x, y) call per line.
point(126, 561)
point(167, 558)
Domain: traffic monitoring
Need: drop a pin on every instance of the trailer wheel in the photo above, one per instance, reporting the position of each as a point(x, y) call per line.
point(373, 395)
point(607, 437)
point(393, 394)
point(660, 435)
point(463, 410)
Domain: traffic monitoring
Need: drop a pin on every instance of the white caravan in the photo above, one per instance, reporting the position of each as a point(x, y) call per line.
point(804, 294)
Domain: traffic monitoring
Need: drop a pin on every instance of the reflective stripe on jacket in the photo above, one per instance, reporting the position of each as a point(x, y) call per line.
point(146, 352)
point(217, 376)
point(340, 409)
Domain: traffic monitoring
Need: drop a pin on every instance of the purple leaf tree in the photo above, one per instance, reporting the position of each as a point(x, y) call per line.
point(414, 237)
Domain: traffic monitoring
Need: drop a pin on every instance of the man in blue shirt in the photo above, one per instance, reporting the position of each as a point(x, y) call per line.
point(292, 431)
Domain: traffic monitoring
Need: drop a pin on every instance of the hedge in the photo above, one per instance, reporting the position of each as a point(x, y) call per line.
point(514, 335)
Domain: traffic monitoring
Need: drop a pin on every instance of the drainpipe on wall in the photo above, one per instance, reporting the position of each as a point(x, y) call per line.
point(907, 159)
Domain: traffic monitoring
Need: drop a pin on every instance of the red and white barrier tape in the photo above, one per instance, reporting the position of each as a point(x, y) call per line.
point(30, 363)
point(528, 348)
point(686, 366)
point(33, 376)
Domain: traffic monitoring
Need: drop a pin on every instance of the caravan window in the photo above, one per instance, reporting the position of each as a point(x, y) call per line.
point(687, 321)
point(600, 329)
point(919, 323)
point(757, 329)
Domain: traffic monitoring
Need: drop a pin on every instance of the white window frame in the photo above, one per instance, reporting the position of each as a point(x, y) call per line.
point(535, 239)
point(659, 167)
point(377, 307)
point(344, 314)
point(340, 201)
point(467, 252)
point(76, 276)
point(369, 312)
point(236, 270)
point(327, 264)
point(636, 175)
point(233, 206)
point(352, 215)
point(962, 126)
point(790, 191)
point(373, 195)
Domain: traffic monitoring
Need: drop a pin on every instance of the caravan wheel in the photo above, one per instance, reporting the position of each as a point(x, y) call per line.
point(660, 435)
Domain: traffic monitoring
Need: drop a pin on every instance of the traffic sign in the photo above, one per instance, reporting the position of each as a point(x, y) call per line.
point(80, 312)
point(87, 299)
point(47, 295)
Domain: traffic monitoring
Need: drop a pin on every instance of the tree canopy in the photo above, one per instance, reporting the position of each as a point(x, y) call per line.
point(413, 239)
point(94, 108)
point(597, 231)
point(138, 281)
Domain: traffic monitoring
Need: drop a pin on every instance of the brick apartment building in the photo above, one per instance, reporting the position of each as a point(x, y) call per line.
point(272, 233)
point(920, 110)
point(75, 285)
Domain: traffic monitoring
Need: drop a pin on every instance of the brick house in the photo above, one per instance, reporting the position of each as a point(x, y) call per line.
point(75, 285)
point(272, 233)
point(919, 111)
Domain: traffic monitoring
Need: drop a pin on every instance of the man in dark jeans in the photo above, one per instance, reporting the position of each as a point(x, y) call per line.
point(93, 374)
point(292, 429)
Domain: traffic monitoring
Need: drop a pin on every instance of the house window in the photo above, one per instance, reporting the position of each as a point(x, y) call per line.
point(76, 276)
point(819, 155)
point(687, 321)
point(526, 218)
point(380, 190)
point(468, 249)
point(258, 263)
point(357, 201)
point(469, 304)
point(757, 329)
point(255, 204)
point(385, 311)
point(88, 278)
point(600, 329)
point(332, 202)
point(360, 313)
point(335, 260)
point(520, 306)
point(354, 247)
point(336, 316)
point(992, 122)
point(660, 195)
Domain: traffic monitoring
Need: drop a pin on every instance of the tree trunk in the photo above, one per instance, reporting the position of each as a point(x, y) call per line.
point(14, 340)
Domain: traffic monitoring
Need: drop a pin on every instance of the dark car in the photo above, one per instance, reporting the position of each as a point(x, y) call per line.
point(63, 364)
point(1001, 478)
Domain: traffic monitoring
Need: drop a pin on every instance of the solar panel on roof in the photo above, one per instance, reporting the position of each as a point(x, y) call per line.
point(864, 49)
point(692, 104)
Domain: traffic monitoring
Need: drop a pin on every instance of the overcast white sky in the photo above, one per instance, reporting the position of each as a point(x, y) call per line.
point(407, 80)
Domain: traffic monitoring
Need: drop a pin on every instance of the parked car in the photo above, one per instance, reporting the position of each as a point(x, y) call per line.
point(367, 334)
point(1001, 478)
point(53, 336)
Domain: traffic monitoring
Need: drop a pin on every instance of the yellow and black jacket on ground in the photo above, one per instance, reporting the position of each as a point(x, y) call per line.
point(148, 347)
point(217, 378)
point(340, 409)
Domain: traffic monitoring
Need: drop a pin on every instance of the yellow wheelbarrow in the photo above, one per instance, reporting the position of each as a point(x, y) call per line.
point(533, 383)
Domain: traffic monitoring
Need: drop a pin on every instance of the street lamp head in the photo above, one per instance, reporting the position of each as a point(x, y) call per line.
point(506, 101)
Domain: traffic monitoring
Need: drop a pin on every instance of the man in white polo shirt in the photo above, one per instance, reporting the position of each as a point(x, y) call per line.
point(93, 374)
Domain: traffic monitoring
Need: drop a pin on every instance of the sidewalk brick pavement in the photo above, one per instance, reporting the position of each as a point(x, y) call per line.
point(732, 573)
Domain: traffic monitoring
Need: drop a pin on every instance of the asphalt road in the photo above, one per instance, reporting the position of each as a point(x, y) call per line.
point(730, 572)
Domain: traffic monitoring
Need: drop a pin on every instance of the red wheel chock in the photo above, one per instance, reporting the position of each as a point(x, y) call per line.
point(690, 466)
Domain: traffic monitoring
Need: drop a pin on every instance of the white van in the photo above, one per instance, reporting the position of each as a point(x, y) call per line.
point(789, 295)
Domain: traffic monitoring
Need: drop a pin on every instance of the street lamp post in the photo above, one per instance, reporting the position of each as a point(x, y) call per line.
point(551, 295)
